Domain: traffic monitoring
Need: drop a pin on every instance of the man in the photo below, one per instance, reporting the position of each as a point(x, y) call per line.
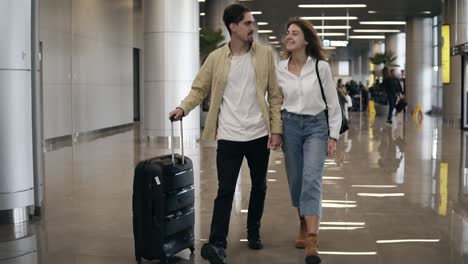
point(393, 89)
point(238, 75)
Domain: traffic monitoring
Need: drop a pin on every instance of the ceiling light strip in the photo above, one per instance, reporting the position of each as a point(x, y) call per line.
point(330, 18)
point(382, 23)
point(333, 6)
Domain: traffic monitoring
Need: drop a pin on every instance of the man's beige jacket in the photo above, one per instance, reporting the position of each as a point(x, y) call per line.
point(213, 77)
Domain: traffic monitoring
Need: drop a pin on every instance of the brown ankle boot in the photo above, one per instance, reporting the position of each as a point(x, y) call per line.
point(311, 253)
point(301, 237)
point(301, 240)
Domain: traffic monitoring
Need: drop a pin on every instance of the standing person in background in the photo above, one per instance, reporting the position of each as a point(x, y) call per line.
point(309, 136)
point(239, 75)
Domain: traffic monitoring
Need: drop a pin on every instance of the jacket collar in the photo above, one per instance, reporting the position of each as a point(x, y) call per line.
point(227, 49)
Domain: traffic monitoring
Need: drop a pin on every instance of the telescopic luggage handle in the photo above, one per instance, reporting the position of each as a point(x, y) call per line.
point(181, 141)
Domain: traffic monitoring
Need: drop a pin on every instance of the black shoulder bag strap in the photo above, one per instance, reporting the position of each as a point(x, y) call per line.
point(321, 89)
point(320, 82)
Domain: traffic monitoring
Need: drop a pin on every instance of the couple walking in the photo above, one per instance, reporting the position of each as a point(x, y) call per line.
point(256, 107)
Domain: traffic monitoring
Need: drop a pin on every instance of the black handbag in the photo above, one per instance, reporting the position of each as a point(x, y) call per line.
point(344, 123)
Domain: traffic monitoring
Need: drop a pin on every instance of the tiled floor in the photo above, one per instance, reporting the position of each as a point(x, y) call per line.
point(89, 186)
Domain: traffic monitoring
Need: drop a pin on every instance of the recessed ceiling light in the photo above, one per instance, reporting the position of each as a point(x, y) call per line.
point(262, 23)
point(367, 37)
point(256, 12)
point(278, 46)
point(371, 12)
point(202, 14)
point(331, 34)
point(274, 42)
point(426, 12)
point(272, 37)
point(382, 23)
point(330, 18)
point(332, 27)
point(377, 30)
point(334, 6)
point(265, 31)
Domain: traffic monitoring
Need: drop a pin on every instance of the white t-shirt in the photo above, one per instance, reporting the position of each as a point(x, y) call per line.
point(240, 117)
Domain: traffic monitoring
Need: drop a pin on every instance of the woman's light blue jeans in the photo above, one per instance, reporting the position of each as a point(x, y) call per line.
point(305, 140)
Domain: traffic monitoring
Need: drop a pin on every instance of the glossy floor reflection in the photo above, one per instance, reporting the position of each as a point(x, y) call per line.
point(394, 194)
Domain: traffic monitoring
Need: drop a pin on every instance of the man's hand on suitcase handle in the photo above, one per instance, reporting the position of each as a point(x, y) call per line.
point(176, 115)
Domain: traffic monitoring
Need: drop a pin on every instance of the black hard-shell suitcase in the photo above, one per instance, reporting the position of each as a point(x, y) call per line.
point(163, 206)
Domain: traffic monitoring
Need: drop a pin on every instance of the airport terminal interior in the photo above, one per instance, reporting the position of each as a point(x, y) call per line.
point(86, 87)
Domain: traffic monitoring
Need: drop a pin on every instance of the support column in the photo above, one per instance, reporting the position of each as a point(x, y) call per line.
point(419, 63)
point(171, 62)
point(377, 46)
point(365, 67)
point(16, 151)
point(455, 16)
point(397, 44)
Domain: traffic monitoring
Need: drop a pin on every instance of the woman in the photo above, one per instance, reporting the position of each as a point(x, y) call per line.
point(308, 137)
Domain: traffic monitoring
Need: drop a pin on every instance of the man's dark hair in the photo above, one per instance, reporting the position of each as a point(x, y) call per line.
point(234, 14)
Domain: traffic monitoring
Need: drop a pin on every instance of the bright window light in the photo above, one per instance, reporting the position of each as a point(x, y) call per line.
point(343, 68)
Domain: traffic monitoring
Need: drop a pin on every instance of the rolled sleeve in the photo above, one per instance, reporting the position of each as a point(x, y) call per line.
point(201, 86)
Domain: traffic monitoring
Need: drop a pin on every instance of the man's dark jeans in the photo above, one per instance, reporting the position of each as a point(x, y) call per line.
point(230, 155)
point(391, 106)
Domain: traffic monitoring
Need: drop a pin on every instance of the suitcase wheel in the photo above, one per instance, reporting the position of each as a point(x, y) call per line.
point(192, 250)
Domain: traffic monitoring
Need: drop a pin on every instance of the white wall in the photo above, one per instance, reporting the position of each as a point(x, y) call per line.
point(88, 64)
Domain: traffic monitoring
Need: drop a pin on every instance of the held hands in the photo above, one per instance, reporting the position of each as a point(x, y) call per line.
point(331, 147)
point(275, 141)
point(177, 114)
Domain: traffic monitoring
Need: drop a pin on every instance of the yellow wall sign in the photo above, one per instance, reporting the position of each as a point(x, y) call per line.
point(446, 53)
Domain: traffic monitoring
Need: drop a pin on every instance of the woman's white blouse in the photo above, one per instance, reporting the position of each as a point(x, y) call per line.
point(302, 93)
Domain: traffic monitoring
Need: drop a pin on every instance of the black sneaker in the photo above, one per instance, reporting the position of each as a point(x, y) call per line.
point(214, 254)
point(255, 242)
